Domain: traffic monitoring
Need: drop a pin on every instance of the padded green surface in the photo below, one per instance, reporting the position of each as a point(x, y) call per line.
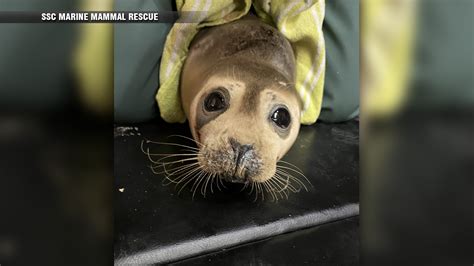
point(35, 59)
point(444, 63)
point(341, 88)
point(137, 57)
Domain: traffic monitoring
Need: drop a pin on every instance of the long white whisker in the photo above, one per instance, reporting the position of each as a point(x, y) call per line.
point(288, 163)
point(291, 169)
point(187, 176)
point(285, 183)
point(294, 179)
point(198, 180)
point(183, 171)
point(178, 168)
point(267, 188)
point(169, 155)
point(256, 192)
point(191, 178)
point(251, 188)
point(184, 137)
point(279, 188)
point(172, 144)
point(179, 161)
point(207, 182)
point(213, 176)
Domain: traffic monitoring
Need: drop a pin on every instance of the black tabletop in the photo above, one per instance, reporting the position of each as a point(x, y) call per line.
point(155, 224)
point(335, 243)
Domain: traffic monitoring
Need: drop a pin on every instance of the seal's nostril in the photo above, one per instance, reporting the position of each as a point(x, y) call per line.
point(239, 150)
point(242, 155)
point(234, 144)
point(245, 148)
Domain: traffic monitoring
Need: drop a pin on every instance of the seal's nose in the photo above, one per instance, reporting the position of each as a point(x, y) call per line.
point(242, 153)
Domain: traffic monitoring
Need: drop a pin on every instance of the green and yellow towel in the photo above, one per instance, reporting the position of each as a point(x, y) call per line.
point(298, 20)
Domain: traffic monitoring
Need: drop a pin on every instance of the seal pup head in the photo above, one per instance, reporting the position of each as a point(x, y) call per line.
point(244, 117)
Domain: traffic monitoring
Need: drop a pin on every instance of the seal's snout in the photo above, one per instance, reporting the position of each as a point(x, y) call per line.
point(231, 160)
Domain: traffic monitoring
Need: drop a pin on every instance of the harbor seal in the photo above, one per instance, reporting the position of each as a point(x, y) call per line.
point(237, 91)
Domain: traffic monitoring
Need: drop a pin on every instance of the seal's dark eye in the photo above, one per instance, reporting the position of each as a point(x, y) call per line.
point(281, 117)
point(214, 102)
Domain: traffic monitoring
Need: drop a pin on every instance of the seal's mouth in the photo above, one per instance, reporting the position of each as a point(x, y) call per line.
point(235, 179)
